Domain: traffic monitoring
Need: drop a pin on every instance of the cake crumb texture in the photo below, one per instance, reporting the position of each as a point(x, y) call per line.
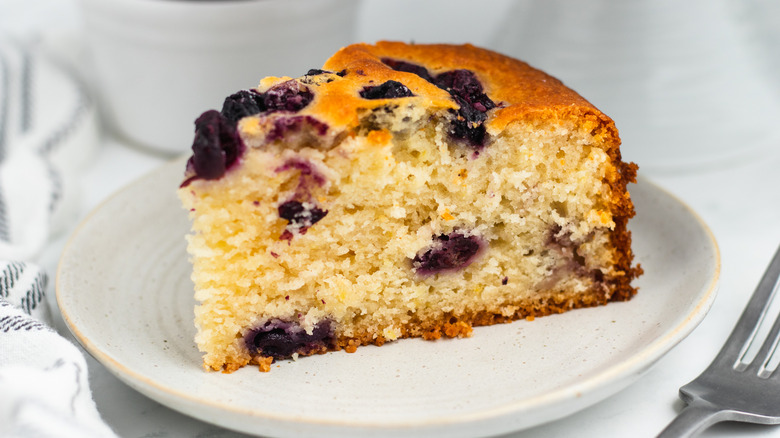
point(401, 191)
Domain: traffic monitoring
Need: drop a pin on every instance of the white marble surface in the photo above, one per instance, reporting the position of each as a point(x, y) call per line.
point(739, 199)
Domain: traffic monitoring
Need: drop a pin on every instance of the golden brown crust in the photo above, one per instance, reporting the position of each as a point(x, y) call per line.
point(520, 90)
point(452, 326)
point(623, 210)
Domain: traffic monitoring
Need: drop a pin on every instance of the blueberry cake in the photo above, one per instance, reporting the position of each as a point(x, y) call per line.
point(399, 191)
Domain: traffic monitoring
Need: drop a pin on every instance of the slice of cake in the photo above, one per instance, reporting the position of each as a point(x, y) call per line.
point(400, 191)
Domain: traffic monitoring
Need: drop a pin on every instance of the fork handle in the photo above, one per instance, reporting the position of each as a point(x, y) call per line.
point(692, 420)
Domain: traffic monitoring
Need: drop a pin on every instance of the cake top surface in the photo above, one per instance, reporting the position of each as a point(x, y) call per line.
point(514, 84)
point(480, 91)
point(517, 89)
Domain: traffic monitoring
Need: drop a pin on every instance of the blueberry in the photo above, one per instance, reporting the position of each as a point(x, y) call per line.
point(467, 91)
point(448, 252)
point(217, 144)
point(467, 124)
point(288, 96)
point(300, 217)
point(281, 339)
point(318, 71)
point(284, 125)
point(465, 84)
point(216, 147)
point(242, 104)
point(276, 343)
point(306, 169)
point(299, 214)
point(408, 67)
point(387, 90)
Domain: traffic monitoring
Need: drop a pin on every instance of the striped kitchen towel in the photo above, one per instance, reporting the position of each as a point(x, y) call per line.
point(24, 285)
point(44, 388)
point(48, 131)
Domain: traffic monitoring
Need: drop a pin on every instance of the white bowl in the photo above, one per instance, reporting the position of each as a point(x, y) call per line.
point(160, 63)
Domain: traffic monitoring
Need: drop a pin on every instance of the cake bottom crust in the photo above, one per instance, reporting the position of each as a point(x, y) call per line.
point(452, 326)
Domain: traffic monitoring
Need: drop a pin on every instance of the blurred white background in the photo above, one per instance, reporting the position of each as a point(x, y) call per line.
point(670, 73)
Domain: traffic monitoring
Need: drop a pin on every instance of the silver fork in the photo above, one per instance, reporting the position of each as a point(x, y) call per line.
point(734, 388)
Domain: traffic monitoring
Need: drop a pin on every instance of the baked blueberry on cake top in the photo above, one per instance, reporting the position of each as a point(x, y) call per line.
point(400, 191)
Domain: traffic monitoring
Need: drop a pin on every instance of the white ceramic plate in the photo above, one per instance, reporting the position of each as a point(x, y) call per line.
point(124, 290)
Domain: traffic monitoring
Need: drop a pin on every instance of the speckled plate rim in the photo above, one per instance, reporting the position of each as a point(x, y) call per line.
point(543, 408)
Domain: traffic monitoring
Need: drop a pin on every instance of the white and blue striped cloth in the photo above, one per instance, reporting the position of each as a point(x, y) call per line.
point(47, 134)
